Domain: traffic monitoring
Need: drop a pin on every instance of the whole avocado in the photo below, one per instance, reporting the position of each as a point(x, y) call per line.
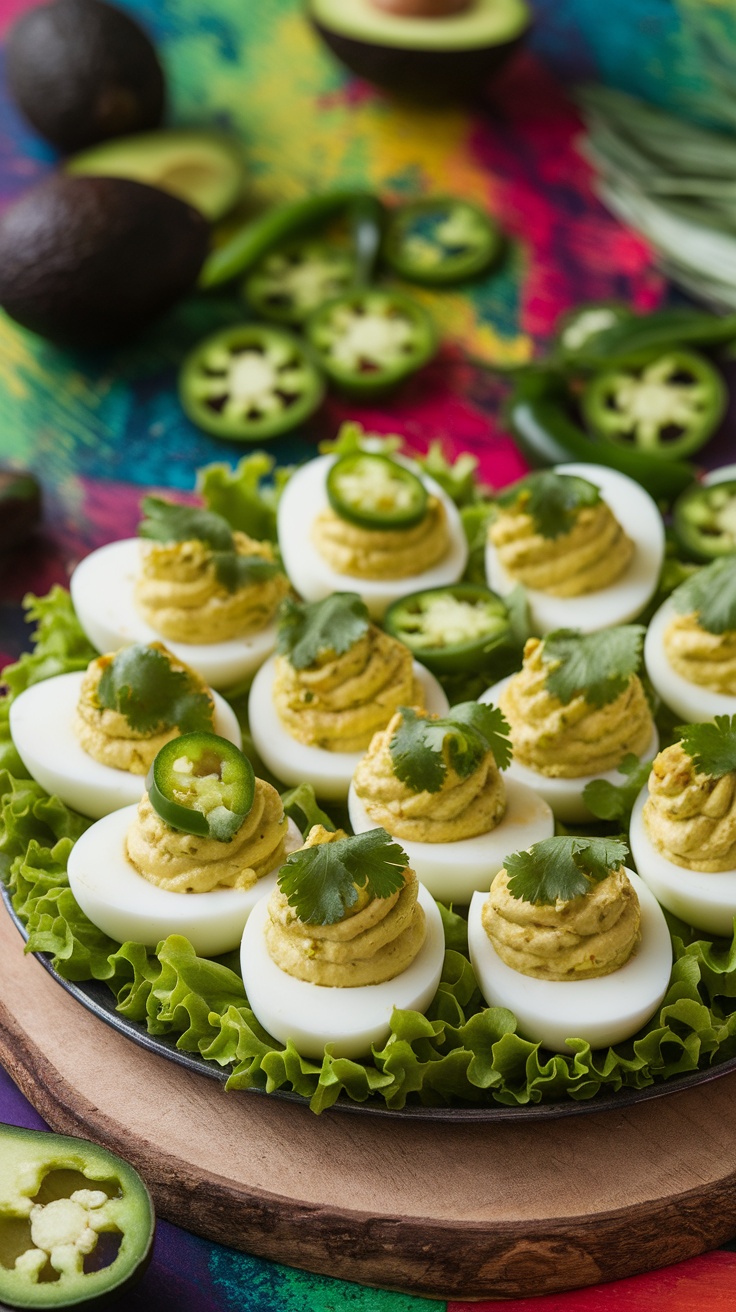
point(88, 261)
point(82, 71)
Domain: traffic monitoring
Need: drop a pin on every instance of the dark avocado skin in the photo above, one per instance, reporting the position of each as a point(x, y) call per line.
point(88, 261)
point(82, 71)
point(430, 76)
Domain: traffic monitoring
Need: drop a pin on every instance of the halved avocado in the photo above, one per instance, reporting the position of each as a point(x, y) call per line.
point(427, 59)
point(205, 168)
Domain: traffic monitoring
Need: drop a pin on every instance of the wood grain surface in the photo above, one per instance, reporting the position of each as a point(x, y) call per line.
point(460, 1212)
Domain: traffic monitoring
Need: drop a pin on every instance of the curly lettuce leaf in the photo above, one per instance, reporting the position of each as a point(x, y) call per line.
point(60, 643)
point(247, 496)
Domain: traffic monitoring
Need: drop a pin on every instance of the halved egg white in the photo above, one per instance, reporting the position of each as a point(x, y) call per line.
point(103, 588)
point(330, 773)
point(350, 1020)
point(692, 702)
point(602, 1011)
point(706, 900)
point(565, 796)
point(305, 496)
point(453, 871)
point(42, 728)
point(623, 599)
point(126, 906)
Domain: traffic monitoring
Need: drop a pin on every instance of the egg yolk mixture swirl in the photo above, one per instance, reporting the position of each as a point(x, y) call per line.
point(594, 553)
point(107, 735)
point(584, 938)
point(708, 659)
point(185, 863)
point(341, 701)
point(568, 741)
point(461, 808)
point(377, 939)
point(373, 553)
point(691, 817)
point(180, 596)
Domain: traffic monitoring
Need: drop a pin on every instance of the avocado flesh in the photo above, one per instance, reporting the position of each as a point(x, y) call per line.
point(202, 167)
point(486, 23)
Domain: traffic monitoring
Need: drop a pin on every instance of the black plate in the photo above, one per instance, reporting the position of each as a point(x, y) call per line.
point(97, 998)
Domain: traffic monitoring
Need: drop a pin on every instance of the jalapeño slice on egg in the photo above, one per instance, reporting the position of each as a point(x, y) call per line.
point(449, 629)
point(704, 521)
point(371, 340)
point(293, 280)
point(376, 492)
point(249, 382)
point(441, 240)
point(202, 784)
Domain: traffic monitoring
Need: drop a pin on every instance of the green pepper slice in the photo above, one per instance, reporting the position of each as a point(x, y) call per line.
point(668, 405)
point(704, 520)
point(293, 280)
point(76, 1222)
point(202, 784)
point(376, 492)
point(249, 382)
point(441, 240)
point(450, 629)
point(371, 340)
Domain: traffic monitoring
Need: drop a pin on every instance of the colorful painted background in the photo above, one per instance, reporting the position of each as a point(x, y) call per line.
point(99, 427)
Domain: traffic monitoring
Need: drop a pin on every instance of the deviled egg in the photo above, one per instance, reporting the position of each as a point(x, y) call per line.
point(690, 648)
point(346, 936)
point(210, 592)
point(89, 737)
point(573, 714)
point(436, 786)
point(370, 523)
point(192, 857)
point(588, 958)
point(314, 707)
point(585, 541)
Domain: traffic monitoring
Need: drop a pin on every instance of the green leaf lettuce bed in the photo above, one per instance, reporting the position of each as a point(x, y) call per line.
point(460, 1052)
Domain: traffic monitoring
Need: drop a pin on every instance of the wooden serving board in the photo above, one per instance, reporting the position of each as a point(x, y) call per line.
point(472, 1211)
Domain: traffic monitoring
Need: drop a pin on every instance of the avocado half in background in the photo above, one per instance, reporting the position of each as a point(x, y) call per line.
point(425, 58)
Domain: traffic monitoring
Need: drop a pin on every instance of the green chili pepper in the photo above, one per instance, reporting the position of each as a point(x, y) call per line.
point(577, 327)
point(371, 340)
point(704, 521)
point(450, 630)
point(660, 331)
point(202, 784)
point(293, 280)
point(376, 492)
point(441, 240)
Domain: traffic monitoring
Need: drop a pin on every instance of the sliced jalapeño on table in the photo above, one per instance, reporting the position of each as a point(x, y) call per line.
point(704, 521)
point(376, 492)
point(441, 240)
point(293, 280)
point(371, 340)
point(202, 784)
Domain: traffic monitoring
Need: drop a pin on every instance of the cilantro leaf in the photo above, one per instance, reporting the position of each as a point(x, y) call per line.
point(610, 801)
point(242, 496)
point(234, 571)
point(307, 630)
point(422, 748)
point(320, 882)
point(712, 747)
point(598, 665)
point(711, 593)
point(552, 500)
point(141, 684)
point(562, 868)
point(165, 521)
point(352, 438)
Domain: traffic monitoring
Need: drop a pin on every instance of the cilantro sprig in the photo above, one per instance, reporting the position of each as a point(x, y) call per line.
point(597, 665)
point(422, 748)
point(166, 521)
point(321, 883)
point(711, 593)
point(711, 747)
point(552, 500)
point(307, 630)
point(141, 684)
point(563, 868)
point(615, 802)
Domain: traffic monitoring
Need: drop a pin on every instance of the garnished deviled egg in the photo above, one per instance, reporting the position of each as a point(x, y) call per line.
point(690, 649)
point(572, 942)
point(347, 935)
point(585, 541)
point(90, 737)
point(193, 857)
point(683, 827)
point(314, 707)
point(370, 523)
point(211, 593)
point(436, 786)
point(575, 710)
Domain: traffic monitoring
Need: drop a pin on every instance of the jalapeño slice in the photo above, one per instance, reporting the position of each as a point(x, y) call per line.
point(371, 340)
point(667, 404)
point(249, 382)
point(449, 629)
point(376, 492)
point(441, 240)
point(202, 784)
point(292, 281)
point(704, 520)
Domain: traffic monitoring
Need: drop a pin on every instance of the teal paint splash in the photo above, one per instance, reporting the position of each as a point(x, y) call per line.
point(249, 1284)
